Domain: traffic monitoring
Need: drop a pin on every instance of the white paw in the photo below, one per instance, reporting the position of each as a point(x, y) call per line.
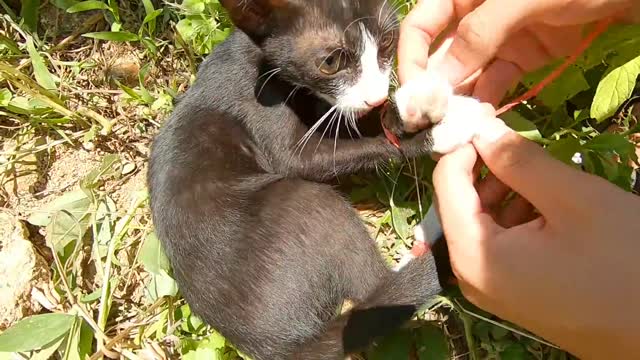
point(423, 101)
point(459, 125)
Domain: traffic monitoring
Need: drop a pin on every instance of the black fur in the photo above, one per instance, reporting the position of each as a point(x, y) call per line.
point(263, 250)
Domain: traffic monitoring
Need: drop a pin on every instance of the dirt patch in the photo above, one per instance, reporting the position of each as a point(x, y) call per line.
point(125, 192)
point(61, 172)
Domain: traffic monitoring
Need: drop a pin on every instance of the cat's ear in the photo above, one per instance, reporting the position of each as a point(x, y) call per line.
point(251, 16)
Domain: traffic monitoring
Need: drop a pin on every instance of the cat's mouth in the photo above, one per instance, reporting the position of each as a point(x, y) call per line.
point(360, 113)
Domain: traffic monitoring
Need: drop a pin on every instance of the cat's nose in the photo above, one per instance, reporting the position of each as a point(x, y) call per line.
point(375, 102)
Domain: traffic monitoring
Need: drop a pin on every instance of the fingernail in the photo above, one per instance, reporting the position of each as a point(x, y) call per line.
point(491, 130)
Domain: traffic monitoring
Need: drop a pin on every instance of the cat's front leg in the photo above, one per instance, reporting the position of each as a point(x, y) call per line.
point(428, 101)
point(332, 157)
point(423, 101)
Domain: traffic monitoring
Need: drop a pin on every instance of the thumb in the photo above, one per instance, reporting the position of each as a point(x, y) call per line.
point(553, 187)
point(480, 35)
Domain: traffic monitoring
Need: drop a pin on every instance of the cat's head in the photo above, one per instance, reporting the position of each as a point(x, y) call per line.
point(343, 50)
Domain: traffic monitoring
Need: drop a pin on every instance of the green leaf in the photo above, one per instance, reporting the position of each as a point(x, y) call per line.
point(194, 6)
point(153, 256)
point(431, 344)
point(482, 330)
point(88, 6)
point(567, 85)
point(89, 298)
point(201, 354)
point(81, 342)
point(29, 13)
point(66, 219)
point(581, 115)
point(161, 285)
point(35, 332)
point(9, 44)
point(107, 169)
point(565, 149)
point(27, 106)
point(523, 126)
point(148, 6)
point(514, 351)
point(215, 341)
point(185, 28)
point(399, 216)
point(609, 142)
point(43, 77)
point(129, 91)
point(498, 332)
point(151, 20)
point(5, 97)
point(616, 39)
point(395, 346)
point(608, 168)
point(614, 89)
point(64, 4)
point(535, 77)
point(47, 352)
point(151, 15)
point(113, 6)
point(121, 36)
point(70, 200)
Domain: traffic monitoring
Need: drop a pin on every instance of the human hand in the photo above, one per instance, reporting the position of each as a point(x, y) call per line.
point(496, 41)
point(568, 273)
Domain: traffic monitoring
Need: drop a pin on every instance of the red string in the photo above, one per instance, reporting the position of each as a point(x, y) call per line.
point(599, 29)
point(420, 247)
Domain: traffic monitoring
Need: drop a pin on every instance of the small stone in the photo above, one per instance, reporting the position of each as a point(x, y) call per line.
point(125, 70)
point(128, 168)
point(21, 270)
point(89, 146)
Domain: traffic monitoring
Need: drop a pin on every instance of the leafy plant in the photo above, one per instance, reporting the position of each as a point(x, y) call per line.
point(204, 24)
point(35, 332)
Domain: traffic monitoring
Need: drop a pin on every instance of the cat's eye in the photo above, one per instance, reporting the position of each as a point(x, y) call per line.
point(332, 63)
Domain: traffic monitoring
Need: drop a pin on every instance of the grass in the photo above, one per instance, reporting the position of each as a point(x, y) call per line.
point(84, 86)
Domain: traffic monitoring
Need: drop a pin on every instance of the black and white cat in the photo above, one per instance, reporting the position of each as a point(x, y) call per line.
point(262, 249)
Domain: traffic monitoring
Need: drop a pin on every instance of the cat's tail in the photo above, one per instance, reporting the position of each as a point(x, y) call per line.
point(394, 303)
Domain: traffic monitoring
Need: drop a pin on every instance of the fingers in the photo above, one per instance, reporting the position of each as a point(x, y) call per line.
point(496, 81)
point(558, 46)
point(459, 205)
point(550, 185)
point(480, 35)
point(418, 30)
point(492, 192)
point(517, 212)
point(530, 57)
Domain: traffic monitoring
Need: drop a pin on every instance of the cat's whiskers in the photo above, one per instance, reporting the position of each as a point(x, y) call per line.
point(273, 73)
point(292, 94)
point(394, 78)
point(325, 131)
point(335, 143)
point(347, 122)
point(353, 122)
point(302, 143)
point(266, 73)
point(391, 15)
point(384, 4)
point(354, 22)
point(390, 24)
